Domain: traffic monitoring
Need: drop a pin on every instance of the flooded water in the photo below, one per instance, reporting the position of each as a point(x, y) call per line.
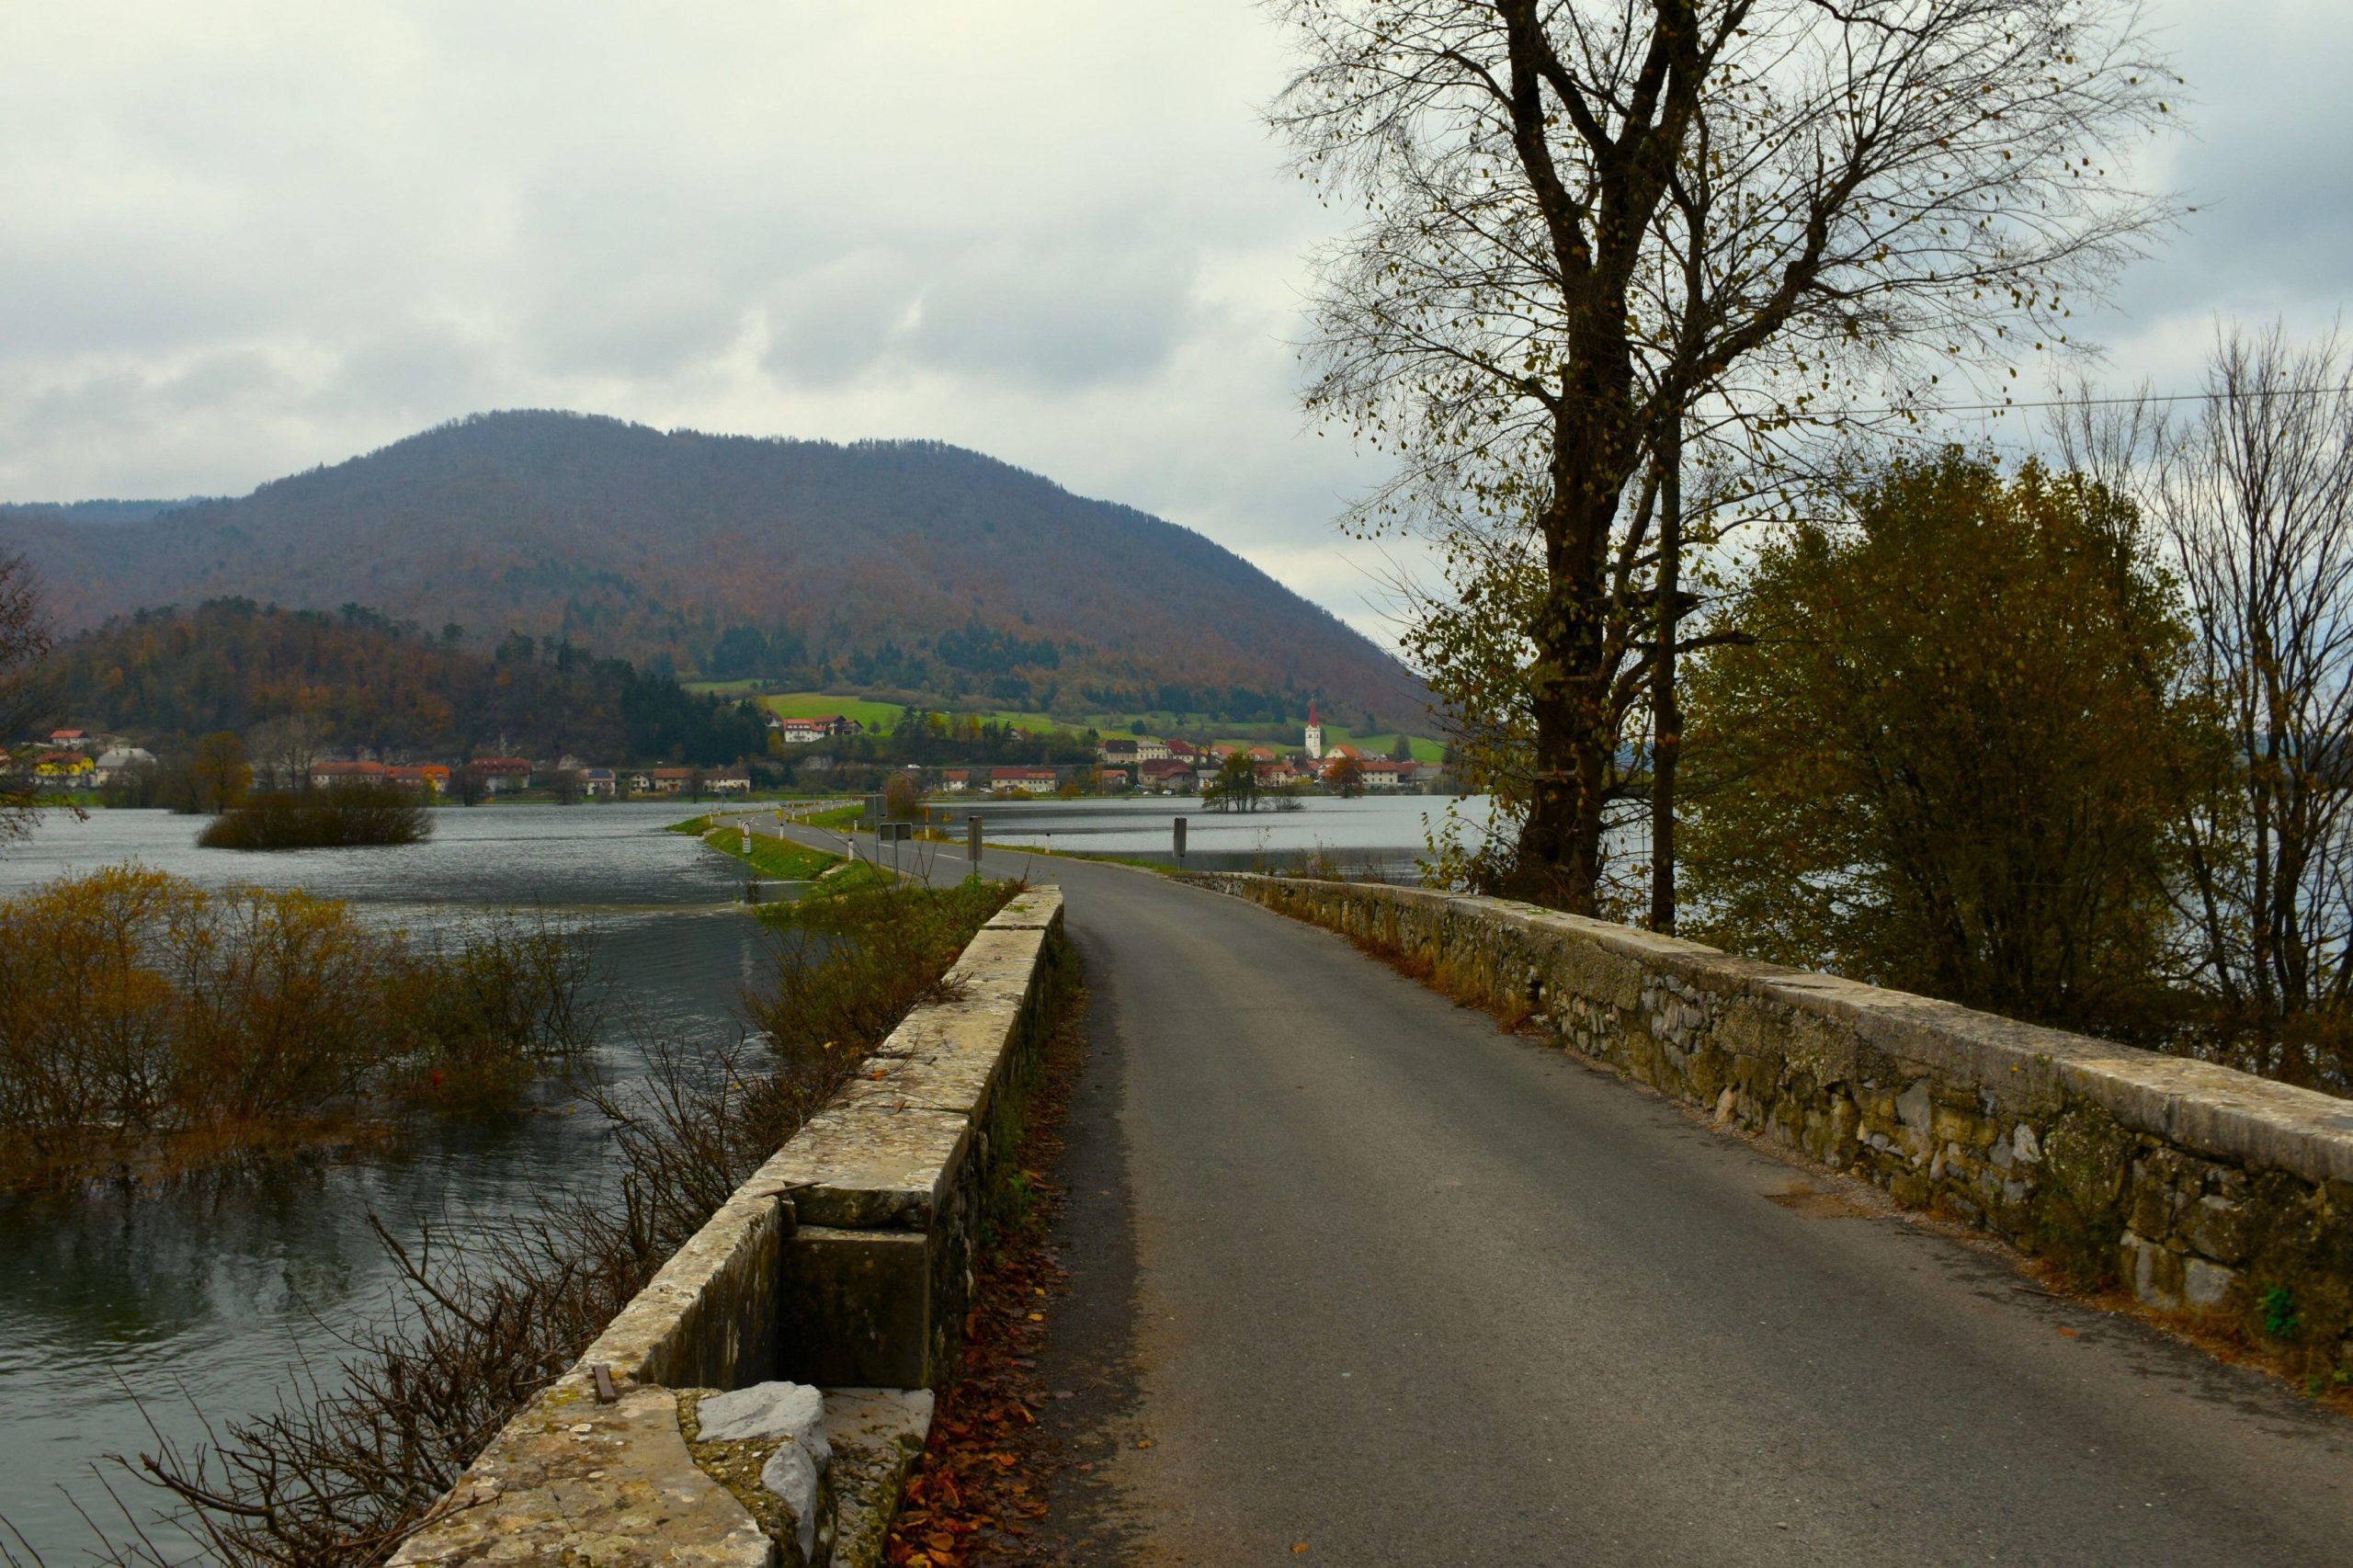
point(1382, 836)
point(126, 1304)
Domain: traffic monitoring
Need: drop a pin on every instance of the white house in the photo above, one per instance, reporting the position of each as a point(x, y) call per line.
point(119, 760)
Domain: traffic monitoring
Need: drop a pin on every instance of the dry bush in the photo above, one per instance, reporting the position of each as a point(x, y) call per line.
point(341, 1475)
point(137, 1008)
point(901, 798)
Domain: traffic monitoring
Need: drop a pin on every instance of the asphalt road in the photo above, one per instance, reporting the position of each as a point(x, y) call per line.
point(1367, 1274)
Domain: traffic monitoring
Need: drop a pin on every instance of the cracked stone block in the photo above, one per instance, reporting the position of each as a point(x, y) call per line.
point(791, 1415)
point(2218, 1228)
point(878, 1435)
point(765, 1410)
point(2155, 1273)
point(766, 1445)
point(574, 1481)
point(1915, 1106)
point(794, 1473)
point(2204, 1284)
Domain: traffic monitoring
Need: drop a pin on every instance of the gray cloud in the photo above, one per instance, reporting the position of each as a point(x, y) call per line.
point(242, 242)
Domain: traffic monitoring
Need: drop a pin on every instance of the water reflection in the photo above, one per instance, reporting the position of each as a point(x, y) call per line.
point(1375, 834)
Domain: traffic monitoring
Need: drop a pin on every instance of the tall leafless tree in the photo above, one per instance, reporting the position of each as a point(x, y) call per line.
point(286, 750)
point(1888, 179)
point(2256, 491)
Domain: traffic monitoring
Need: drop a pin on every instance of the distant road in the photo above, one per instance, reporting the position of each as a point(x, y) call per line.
point(1367, 1274)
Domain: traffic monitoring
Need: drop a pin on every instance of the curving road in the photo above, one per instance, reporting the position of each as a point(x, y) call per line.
point(1367, 1274)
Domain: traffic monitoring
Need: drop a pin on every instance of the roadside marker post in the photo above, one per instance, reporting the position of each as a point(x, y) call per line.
point(1180, 838)
point(972, 839)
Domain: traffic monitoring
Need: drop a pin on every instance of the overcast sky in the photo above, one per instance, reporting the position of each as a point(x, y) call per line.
point(239, 240)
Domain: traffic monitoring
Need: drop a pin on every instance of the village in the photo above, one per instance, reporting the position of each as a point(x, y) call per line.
point(805, 753)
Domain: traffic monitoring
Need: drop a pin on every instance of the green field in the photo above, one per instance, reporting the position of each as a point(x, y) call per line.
point(1424, 750)
point(817, 704)
point(877, 715)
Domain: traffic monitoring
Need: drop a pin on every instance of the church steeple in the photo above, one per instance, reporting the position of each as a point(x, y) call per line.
point(1314, 733)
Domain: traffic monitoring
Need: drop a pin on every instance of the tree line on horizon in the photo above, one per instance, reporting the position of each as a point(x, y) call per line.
point(387, 687)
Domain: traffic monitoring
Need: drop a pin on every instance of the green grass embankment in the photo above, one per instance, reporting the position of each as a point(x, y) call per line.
point(778, 857)
point(832, 875)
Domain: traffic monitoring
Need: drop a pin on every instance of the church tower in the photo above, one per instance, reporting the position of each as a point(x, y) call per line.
point(1314, 733)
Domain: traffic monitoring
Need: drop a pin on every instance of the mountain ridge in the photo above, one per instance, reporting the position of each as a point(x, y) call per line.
point(913, 564)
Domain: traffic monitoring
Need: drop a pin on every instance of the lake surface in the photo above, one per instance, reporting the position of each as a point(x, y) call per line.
point(1376, 835)
point(211, 1293)
point(207, 1293)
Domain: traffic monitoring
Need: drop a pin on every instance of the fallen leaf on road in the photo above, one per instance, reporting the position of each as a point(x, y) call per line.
point(1299, 1548)
point(2066, 1334)
point(1144, 1442)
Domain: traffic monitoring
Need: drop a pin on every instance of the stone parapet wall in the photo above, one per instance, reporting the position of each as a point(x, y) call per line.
point(846, 1260)
point(2194, 1186)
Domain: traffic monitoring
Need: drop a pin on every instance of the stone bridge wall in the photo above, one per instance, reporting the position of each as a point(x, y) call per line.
point(846, 1260)
point(2194, 1186)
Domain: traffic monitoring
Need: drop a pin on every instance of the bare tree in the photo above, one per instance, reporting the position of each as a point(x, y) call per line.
point(286, 750)
point(24, 638)
point(221, 773)
point(2256, 492)
point(1513, 320)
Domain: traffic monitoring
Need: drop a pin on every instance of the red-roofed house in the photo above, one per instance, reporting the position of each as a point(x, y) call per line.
point(1169, 775)
point(431, 778)
point(501, 775)
point(800, 731)
point(325, 773)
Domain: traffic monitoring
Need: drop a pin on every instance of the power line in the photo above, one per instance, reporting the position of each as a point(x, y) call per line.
point(2072, 402)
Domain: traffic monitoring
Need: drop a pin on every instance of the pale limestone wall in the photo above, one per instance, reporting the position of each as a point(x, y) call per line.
point(845, 1259)
point(2195, 1186)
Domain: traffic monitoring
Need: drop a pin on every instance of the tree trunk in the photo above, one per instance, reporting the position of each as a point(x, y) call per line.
point(1559, 859)
point(1667, 715)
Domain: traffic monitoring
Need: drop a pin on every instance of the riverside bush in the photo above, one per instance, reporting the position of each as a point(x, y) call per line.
point(338, 817)
point(339, 1474)
point(138, 1010)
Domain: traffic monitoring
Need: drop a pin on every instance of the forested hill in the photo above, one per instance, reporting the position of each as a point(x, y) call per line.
point(911, 565)
point(377, 684)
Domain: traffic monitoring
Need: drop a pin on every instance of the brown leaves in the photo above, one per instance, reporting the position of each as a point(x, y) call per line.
point(979, 1485)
